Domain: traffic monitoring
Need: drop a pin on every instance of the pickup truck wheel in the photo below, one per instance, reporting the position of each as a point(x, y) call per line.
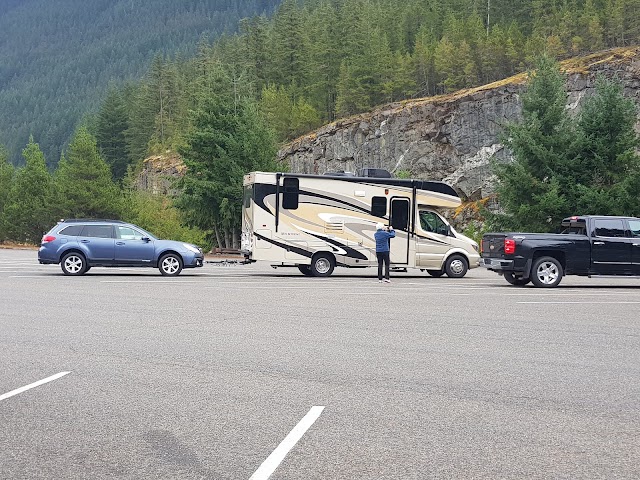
point(435, 273)
point(456, 266)
point(322, 265)
point(546, 272)
point(517, 281)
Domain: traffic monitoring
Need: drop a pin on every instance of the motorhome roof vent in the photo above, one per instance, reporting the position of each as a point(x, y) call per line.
point(340, 173)
point(374, 173)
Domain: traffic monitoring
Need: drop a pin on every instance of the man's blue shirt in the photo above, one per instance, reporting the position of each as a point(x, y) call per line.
point(382, 240)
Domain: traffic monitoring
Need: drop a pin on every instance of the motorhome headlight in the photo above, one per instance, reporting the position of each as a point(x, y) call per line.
point(191, 248)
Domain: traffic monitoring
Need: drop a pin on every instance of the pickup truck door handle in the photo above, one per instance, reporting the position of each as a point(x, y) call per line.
point(598, 243)
point(84, 241)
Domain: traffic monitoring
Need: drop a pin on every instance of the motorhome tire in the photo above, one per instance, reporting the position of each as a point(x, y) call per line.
point(322, 265)
point(456, 266)
point(435, 273)
point(305, 270)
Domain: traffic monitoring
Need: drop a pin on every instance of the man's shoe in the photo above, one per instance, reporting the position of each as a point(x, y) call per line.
point(386, 280)
point(379, 281)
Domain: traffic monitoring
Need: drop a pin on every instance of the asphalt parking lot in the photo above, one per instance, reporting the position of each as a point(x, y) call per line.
point(238, 372)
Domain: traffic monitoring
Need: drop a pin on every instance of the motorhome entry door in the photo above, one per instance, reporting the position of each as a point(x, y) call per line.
point(399, 220)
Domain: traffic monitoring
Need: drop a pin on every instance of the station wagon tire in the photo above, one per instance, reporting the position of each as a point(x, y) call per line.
point(73, 263)
point(546, 272)
point(435, 273)
point(456, 266)
point(322, 265)
point(170, 265)
point(305, 270)
point(517, 281)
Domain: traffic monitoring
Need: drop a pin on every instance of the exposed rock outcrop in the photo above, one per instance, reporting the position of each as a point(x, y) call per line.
point(448, 137)
point(158, 173)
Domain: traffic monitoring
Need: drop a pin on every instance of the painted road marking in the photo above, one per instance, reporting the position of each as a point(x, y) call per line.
point(584, 303)
point(33, 385)
point(271, 463)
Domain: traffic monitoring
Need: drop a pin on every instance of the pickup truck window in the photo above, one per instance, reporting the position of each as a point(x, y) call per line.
point(609, 227)
point(634, 226)
point(574, 230)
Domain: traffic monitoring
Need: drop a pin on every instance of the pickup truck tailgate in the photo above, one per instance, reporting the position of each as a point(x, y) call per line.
point(493, 245)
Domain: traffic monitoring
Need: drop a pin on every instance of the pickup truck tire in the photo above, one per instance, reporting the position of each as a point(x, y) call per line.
point(456, 266)
point(517, 281)
point(546, 272)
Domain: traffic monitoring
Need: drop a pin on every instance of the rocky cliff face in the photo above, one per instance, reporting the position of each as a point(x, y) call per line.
point(449, 137)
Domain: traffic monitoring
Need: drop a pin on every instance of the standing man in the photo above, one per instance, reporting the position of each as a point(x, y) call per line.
point(382, 236)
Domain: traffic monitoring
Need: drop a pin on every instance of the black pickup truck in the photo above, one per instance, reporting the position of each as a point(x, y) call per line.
point(587, 245)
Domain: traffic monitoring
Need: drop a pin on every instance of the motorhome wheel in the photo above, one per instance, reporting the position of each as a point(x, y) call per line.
point(322, 265)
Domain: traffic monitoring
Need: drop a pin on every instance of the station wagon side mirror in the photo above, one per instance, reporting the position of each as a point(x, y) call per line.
point(146, 239)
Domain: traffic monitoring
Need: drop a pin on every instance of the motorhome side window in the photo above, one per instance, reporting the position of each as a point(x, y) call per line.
point(431, 222)
point(248, 195)
point(291, 193)
point(378, 206)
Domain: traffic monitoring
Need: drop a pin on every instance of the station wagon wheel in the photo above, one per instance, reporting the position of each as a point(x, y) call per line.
point(322, 264)
point(435, 273)
point(73, 263)
point(170, 265)
point(456, 266)
point(517, 281)
point(546, 272)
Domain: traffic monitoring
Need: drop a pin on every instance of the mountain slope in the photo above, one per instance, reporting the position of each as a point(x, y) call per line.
point(56, 59)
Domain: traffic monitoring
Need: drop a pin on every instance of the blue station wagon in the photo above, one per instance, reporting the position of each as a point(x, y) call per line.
point(78, 245)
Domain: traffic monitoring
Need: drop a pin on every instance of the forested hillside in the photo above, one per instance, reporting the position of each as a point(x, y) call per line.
point(57, 57)
point(318, 60)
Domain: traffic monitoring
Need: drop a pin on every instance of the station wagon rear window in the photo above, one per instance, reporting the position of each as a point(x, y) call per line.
point(72, 230)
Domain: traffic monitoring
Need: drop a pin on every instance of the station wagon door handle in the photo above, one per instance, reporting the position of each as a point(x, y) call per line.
point(598, 243)
point(84, 241)
point(119, 243)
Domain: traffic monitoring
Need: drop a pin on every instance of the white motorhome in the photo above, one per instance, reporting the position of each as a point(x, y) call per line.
point(318, 222)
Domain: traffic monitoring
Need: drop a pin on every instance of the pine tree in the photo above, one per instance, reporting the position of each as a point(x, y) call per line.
point(6, 180)
point(112, 123)
point(227, 141)
point(606, 169)
point(29, 209)
point(531, 189)
point(84, 184)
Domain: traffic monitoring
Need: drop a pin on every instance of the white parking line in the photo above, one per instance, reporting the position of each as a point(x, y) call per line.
point(33, 385)
point(583, 303)
point(271, 463)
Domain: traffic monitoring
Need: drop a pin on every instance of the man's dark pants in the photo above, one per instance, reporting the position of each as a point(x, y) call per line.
point(383, 257)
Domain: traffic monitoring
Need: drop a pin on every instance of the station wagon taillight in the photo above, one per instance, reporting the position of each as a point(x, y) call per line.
point(509, 246)
point(48, 238)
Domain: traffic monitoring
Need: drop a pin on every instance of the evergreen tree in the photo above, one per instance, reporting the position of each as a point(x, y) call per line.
point(28, 211)
point(6, 180)
point(84, 184)
point(606, 170)
point(530, 190)
point(112, 123)
point(225, 144)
